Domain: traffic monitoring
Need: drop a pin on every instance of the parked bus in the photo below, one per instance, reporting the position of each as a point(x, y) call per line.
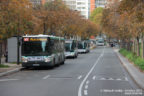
point(71, 49)
point(42, 50)
point(100, 42)
point(83, 47)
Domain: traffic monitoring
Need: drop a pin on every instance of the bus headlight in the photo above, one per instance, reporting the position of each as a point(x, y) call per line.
point(72, 53)
point(24, 59)
point(47, 59)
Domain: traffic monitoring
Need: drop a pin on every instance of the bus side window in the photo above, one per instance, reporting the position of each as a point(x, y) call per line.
point(73, 46)
point(52, 42)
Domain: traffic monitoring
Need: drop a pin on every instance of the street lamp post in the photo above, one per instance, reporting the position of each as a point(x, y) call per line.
point(18, 59)
point(18, 42)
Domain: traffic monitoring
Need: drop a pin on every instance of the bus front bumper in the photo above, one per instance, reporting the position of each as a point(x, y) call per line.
point(69, 54)
point(37, 64)
point(82, 51)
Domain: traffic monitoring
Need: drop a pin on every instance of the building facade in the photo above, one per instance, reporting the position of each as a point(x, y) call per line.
point(37, 2)
point(92, 5)
point(83, 6)
point(101, 3)
point(71, 4)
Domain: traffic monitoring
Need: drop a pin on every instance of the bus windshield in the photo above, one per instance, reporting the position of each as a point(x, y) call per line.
point(38, 48)
point(100, 41)
point(82, 45)
point(68, 46)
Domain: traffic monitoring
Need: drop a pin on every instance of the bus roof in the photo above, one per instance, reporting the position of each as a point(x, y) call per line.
point(41, 35)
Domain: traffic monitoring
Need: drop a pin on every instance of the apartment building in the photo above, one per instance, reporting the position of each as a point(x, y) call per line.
point(71, 4)
point(83, 6)
point(92, 5)
point(101, 3)
point(37, 2)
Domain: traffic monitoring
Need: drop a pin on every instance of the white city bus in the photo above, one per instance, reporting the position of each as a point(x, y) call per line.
point(83, 47)
point(42, 50)
point(100, 42)
point(71, 49)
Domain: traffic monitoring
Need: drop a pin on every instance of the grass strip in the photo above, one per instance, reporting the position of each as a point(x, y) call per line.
point(137, 60)
point(3, 66)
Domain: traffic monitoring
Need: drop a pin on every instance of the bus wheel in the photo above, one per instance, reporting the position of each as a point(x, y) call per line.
point(27, 67)
point(53, 65)
point(76, 55)
point(63, 62)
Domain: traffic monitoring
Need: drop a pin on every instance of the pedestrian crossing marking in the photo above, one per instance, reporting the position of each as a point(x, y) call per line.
point(109, 79)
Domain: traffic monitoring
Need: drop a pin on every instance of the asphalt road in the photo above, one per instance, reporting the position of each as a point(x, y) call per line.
point(98, 73)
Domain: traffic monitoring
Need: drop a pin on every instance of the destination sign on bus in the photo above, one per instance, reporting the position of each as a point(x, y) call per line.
point(34, 39)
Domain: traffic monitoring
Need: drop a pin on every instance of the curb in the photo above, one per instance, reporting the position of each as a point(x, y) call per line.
point(10, 72)
point(129, 72)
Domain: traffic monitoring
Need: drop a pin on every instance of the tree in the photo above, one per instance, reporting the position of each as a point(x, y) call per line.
point(15, 18)
point(56, 19)
point(97, 15)
point(126, 24)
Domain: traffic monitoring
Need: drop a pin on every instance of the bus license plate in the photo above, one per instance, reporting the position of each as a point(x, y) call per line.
point(36, 64)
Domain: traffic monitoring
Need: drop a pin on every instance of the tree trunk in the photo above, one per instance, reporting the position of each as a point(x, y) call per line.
point(0, 51)
point(138, 46)
point(135, 47)
point(109, 40)
point(128, 45)
point(122, 44)
point(142, 46)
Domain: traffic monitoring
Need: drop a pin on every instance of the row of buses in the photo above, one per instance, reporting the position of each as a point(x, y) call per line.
point(73, 48)
point(46, 50)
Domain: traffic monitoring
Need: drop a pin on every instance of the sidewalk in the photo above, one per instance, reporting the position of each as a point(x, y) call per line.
point(135, 73)
point(11, 69)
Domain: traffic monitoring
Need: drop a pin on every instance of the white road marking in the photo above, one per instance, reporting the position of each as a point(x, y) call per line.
point(94, 77)
point(110, 79)
point(87, 82)
point(46, 77)
point(118, 79)
point(85, 92)
point(86, 86)
point(79, 77)
point(126, 79)
point(86, 77)
point(102, 79)
point(8, 80)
